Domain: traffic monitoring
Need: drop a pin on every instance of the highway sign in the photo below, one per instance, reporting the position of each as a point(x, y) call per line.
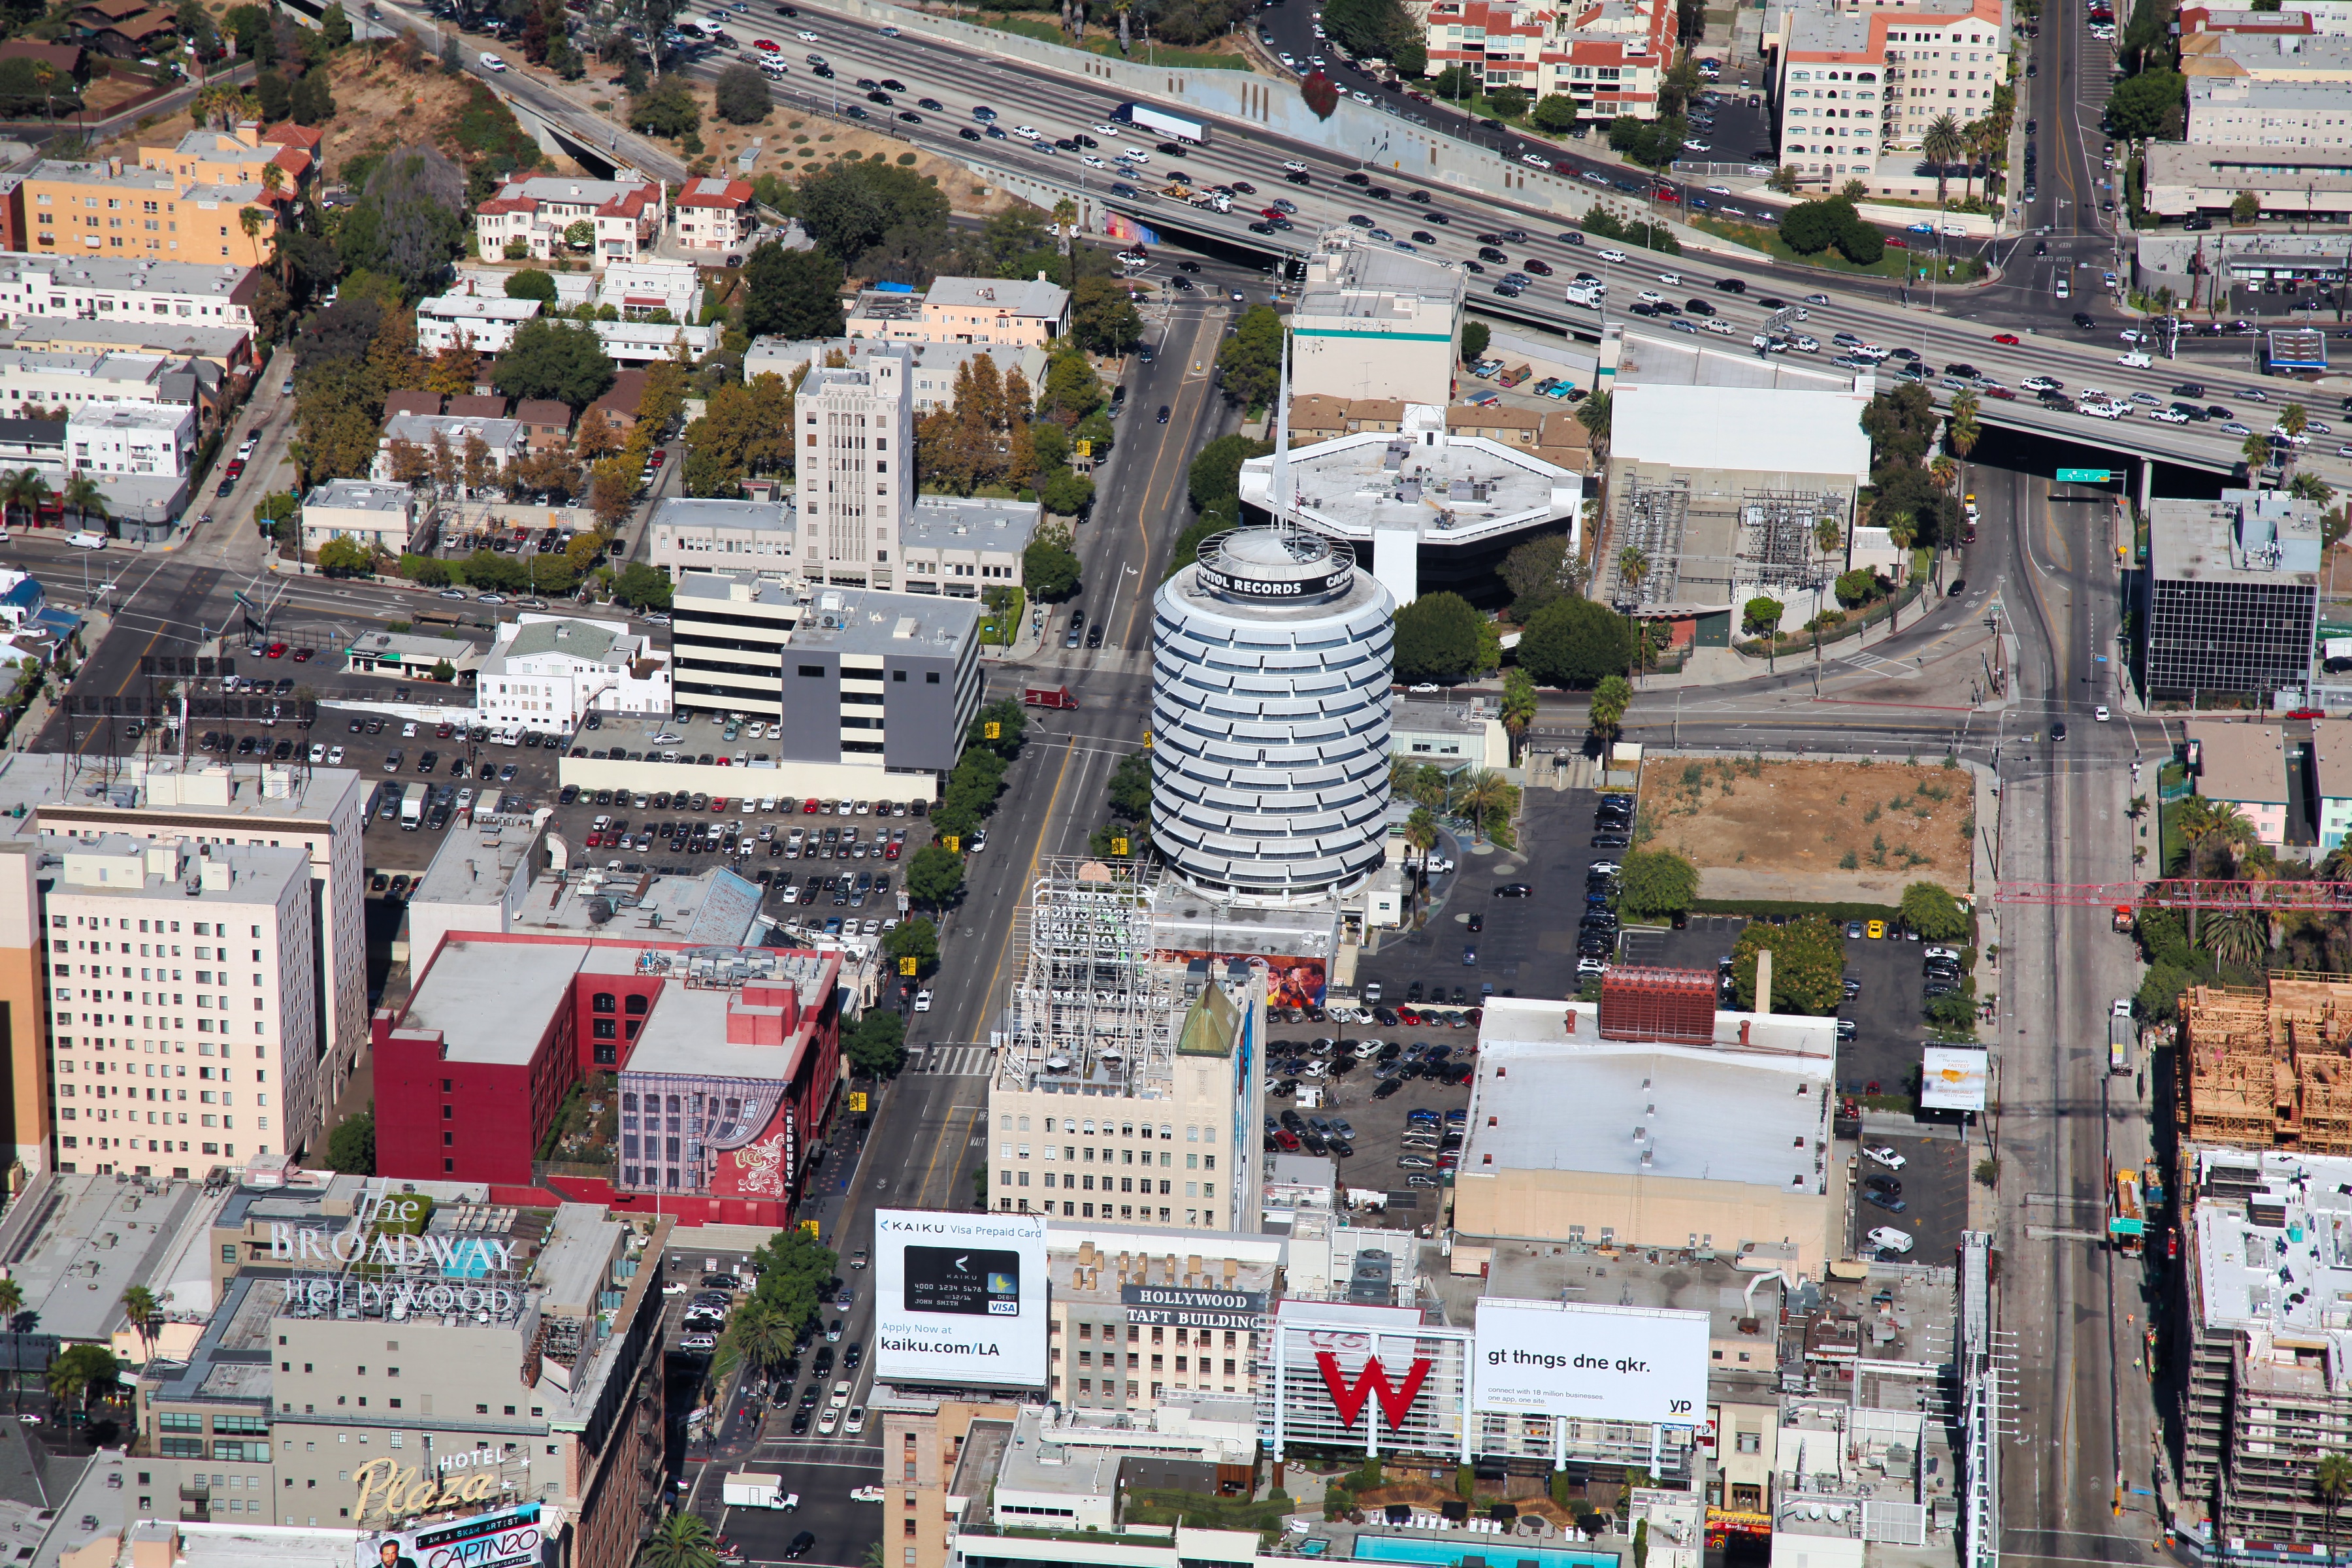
point(2084, 476)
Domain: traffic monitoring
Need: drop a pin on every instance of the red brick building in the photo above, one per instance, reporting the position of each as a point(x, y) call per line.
point(728, 1061)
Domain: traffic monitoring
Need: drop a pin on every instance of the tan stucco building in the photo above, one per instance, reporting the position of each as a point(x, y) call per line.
point(1722, 1144)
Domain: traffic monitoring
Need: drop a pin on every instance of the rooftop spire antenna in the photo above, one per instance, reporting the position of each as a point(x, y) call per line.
point(1281, 493)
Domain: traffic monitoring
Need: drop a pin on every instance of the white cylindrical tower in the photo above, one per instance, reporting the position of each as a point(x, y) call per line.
point(1270, 668)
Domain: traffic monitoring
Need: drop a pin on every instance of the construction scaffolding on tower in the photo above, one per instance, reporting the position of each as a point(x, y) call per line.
point(1091, 1012)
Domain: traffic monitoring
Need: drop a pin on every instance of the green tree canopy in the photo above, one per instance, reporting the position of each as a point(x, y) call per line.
point(934, 875)
point(1555, 112)
point(1065, 493)
point(2149, 104)
point(532, 283)
point(794, 294)
point(1436, 638)
point(1534, 572)
point(793, 1268)
point(645, 587)
point(1762, 615)
point(1929, 908)
point(848, 207)
point(667, 108)
point(1658, 882)
point(558, 359)
point(876, 1044)
point(1808, 966)
point(1575, 642)
point(1214, 481)
point(1251, 357)
point(917, 939)
point(741, 95)
point(1476, 336)
point(343, 557)
point(1049, 569)
point(351, 1147)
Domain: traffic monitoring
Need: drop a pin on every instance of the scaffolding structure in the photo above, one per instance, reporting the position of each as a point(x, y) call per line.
point(1091, 1012)
point(2270, 1067)
point(1776, 537)
point(1649, 519)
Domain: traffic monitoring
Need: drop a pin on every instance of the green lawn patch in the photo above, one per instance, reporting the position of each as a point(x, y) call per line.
point(1892, 265)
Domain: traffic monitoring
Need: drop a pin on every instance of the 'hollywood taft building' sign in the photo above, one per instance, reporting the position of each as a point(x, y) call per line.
point(1165, 1305)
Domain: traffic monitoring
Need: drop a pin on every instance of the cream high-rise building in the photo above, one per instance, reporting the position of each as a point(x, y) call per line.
point(856, 467)
point(183, 1000)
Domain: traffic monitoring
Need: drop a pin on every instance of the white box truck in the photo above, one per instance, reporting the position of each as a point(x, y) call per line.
point(412, 807)
point(1586, 294)
point(754, 1488)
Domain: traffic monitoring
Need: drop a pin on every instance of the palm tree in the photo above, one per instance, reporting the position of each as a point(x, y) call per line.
point(21, 489)
point(1518, 706)
point(12, 1301)
point(1610, 700)
point(2239, 937)
point(1944, 471)
point(2256, 450)
point(1942, 144)
point(1632, 571)
point(2331, 1479)
point(145, 1310)
point(1593, 415)
point(681, 1540)
point(82, 497)
point(2206, 825)
point(1486, 793)
point(1421, 831)
point(2311, 487)
point(2293, 420)
point(250, 220)
point(1962, 431)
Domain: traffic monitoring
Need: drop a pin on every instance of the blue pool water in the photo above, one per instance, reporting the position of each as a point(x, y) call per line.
point(1499, 1551)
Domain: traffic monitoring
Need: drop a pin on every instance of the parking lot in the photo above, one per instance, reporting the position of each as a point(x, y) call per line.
point(1350, 1096)
point(1890, 1022)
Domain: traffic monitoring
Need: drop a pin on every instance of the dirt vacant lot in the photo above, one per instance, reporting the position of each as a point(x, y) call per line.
point(1868, 824)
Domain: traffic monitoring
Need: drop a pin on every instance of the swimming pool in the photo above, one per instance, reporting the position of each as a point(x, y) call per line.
point(1499, 1552)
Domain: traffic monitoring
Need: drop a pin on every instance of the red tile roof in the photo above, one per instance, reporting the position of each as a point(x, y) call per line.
point(715, 194)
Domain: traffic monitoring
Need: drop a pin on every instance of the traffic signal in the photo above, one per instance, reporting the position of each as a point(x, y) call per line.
point(1118, 846)
point(952, 843)
point(907, 966)
point(992, 731)
point(857, 1102)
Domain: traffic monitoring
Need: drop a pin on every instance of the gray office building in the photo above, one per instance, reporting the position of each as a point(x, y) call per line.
point(2232, 605)
point(853, 676)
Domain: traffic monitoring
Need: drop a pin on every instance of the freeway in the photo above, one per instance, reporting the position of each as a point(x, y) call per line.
point(1944, 326)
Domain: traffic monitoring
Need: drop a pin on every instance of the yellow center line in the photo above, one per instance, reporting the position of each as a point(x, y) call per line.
point(923, 1192)
point(1151, 487)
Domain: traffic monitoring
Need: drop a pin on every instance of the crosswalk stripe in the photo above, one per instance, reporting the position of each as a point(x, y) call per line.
point(958, 1061)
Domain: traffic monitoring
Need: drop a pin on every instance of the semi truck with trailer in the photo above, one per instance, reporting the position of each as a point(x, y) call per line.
point(1160, 122)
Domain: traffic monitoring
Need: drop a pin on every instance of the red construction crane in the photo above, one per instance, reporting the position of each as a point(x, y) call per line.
point(2181, 893)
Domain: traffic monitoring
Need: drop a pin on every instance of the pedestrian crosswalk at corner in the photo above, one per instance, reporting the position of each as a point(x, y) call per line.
point(955, 1061)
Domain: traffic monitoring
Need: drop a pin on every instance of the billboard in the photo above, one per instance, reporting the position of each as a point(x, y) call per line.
point(506, 1539)
point(1953, 1078)
point(1606, 1364)
point(1291, 980)
point(960, 1297)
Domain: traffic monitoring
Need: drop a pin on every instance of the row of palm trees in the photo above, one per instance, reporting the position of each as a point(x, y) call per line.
point(24, 493)
point(1946, 141)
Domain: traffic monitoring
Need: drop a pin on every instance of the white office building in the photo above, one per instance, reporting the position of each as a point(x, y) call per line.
point(1271, 663)
point(131, 438)
point(544, 672)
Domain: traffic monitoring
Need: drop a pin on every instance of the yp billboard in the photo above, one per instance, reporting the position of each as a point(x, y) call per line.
point(959, 1299)
point(1606, 1364)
